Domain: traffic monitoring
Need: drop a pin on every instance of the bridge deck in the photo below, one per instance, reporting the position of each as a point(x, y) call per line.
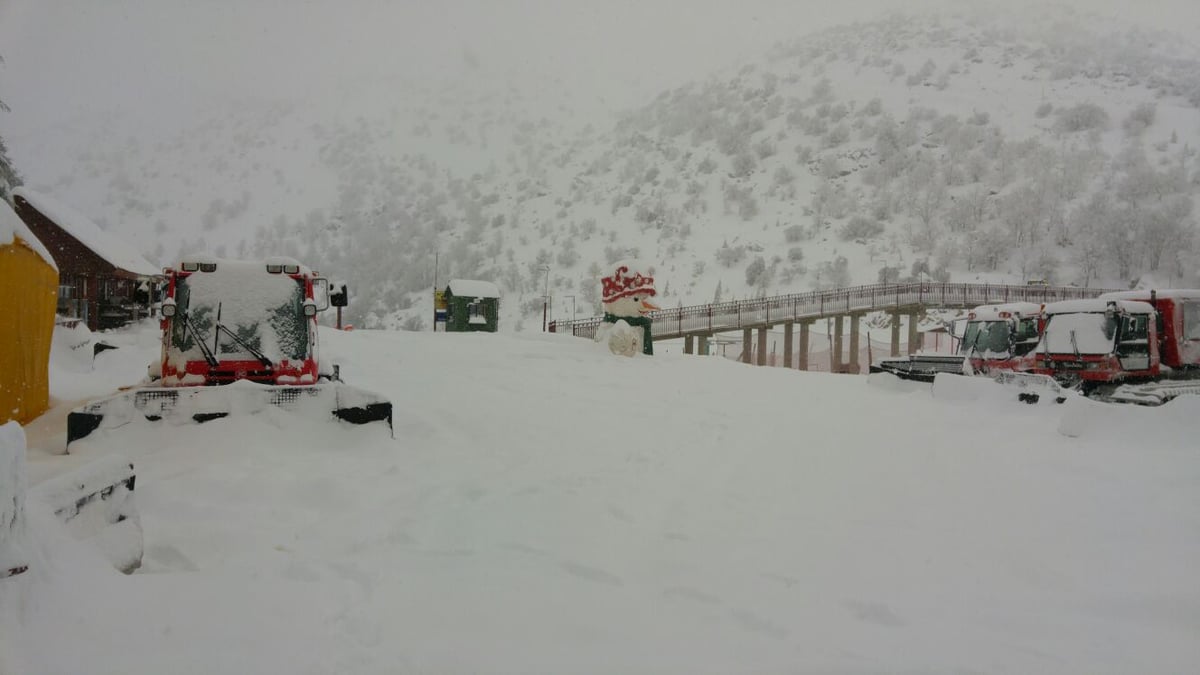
point(797, 307)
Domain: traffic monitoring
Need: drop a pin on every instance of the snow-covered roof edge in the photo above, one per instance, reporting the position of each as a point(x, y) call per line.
point(469, 288)
point(11, 226)
point(104, 244)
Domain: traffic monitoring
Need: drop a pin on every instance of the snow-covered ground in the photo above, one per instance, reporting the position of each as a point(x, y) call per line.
point(545, 507)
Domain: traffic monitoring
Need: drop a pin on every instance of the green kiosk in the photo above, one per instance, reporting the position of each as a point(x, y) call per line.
point(472, 306)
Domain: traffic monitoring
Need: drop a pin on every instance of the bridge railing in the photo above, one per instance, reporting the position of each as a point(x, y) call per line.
point(761, 312)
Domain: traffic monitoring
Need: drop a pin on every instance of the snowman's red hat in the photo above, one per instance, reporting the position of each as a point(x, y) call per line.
point(624, 283)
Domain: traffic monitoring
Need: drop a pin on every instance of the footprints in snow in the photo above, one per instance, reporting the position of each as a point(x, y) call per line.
point(686, 593)
point(874, 612)
point(591, 574)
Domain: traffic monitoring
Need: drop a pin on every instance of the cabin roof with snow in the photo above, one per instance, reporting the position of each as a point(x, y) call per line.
point(63, 230)
point(12, 227)
point(467, 288)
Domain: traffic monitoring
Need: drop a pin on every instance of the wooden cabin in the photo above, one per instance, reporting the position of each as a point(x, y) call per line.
point(102, 279)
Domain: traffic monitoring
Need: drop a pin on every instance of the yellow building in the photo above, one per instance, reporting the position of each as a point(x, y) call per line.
point(29, 283)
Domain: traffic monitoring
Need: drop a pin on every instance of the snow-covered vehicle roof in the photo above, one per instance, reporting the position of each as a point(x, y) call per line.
point(1097, 305)
point(104, 244)
point(994, 312)
point(11, 226)
point(244, 266)
point(467, 288)
point(1166, 293)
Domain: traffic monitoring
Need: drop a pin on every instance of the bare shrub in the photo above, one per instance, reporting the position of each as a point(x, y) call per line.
point(861, 227)
point(1081, 117)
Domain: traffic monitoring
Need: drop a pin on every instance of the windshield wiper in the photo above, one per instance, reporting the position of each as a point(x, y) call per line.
point(967, 367)
point(209, 358)
point(1075, 346)
point(262, 358)
point(242, 343)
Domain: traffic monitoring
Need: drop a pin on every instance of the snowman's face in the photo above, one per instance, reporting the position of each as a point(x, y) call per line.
point(632, 305)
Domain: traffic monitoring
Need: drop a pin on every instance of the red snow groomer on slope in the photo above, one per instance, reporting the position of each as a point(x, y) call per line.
point(997, 336)
point(993, 340)
point(1128, 347)
point(237, 337)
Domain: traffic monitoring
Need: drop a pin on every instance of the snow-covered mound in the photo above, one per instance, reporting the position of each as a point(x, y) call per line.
point(80, 370)
point(545, 507)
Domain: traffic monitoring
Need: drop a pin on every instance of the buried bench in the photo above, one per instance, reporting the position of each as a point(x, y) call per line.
point(95, 502)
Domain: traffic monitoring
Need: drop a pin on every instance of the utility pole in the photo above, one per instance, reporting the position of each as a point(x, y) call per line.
point(545, 296)
point(435, 275)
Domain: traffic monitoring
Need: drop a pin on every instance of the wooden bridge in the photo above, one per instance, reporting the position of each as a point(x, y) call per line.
point(702, 322)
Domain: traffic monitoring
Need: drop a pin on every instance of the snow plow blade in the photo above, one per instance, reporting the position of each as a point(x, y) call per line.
point(922, 367)
point(184, 405)
point(1032, 387)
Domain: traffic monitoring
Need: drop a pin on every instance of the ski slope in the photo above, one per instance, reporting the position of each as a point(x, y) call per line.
point(546, 507)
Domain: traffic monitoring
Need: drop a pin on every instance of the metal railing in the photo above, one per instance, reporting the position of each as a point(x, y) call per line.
point(765, 312)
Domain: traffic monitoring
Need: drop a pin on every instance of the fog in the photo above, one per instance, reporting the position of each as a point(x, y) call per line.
point(618, 52)
point(150, 59)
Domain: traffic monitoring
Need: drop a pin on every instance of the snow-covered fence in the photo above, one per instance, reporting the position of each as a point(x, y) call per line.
point(96, 503)
point(763, 312)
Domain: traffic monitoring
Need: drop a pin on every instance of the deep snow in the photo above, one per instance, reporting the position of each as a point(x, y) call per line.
point(546, 507)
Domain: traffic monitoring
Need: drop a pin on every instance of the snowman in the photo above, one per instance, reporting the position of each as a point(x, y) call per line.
point(626, 300)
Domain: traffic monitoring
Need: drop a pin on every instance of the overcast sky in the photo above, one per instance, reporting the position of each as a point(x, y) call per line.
point(66, 58)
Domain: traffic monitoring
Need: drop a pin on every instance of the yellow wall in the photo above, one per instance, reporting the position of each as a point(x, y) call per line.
point(28, 296)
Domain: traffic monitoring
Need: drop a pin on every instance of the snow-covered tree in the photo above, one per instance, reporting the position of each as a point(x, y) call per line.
point(1140, 119)
point(9, 178)
point(1081, 117)
point(757, 276)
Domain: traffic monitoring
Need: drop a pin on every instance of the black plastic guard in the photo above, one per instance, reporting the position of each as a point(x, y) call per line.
point(371, 412)
point(80, 424)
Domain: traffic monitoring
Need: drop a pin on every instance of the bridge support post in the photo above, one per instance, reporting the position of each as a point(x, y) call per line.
point(762, 346)
point(803, 360)
point(913, 336)
point(703, 339)
point(746, 345)
point(787, 345)
point(688, 342)
point(895, 334)
point(854, 366)
point(835, 356)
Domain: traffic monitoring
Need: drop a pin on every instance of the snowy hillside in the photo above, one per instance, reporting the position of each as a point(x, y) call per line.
point(1048, 144)
point(545, 507)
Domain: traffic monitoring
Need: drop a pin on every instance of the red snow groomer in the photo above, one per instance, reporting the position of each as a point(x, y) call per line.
point(237, 336)
point(1129, 347)
point(993, 339)
point(997, 336)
